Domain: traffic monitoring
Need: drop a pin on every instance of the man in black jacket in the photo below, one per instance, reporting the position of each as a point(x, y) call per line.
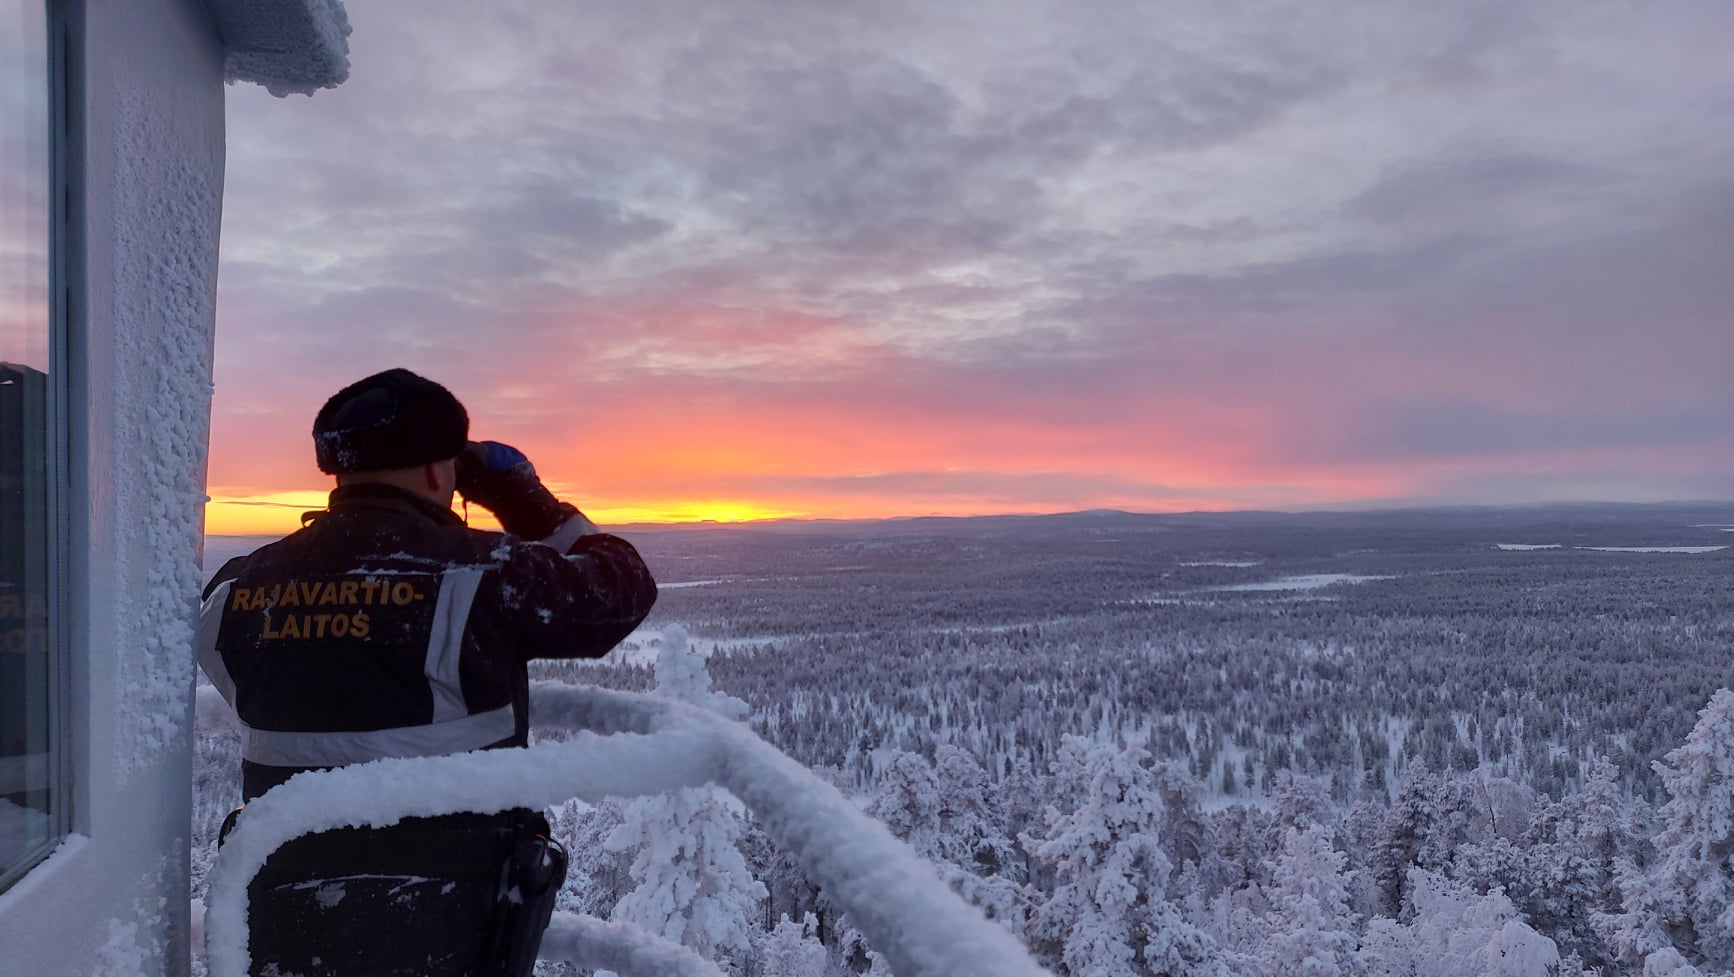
point(385, 627)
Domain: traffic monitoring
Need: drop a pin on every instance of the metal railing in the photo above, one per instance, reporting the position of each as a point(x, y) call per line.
point(631, 745)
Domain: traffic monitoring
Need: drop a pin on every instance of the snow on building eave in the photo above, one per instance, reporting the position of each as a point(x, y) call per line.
point(292, 47)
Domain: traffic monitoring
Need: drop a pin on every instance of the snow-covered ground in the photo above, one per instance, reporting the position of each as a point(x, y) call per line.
point(1654, 549)
point(1525, 547)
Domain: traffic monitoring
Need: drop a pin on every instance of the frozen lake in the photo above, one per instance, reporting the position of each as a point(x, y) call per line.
point(1305, 581)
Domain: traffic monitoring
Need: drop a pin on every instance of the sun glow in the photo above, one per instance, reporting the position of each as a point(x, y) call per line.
point(279, 513)
point(259, 514)
point(693, 511)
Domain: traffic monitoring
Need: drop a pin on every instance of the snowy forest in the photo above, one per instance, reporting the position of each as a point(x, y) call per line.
point(1426, 742)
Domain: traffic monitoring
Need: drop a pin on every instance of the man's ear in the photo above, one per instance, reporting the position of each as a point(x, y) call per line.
point(430, 474)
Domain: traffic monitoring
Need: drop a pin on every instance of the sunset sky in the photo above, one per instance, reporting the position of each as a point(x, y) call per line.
point(748, 259)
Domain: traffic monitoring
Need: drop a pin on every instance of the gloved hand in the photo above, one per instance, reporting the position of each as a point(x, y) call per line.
point(499, 478)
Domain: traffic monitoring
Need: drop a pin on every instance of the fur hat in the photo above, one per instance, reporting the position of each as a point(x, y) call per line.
point(394, 419)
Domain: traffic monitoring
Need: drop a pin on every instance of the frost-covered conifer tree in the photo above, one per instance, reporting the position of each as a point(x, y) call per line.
point(1312, 932)
point(943, 813)
point(1188, 836)
point(1685, 901)
point(972, 829)
point(792, 949)
point(1108, 915)
point(597, 875)
point(790, 892)
point(1404, 836)
point(1247, 841)
point(857, 955)
point(1455, 933)
point(1301, 802)
point(694, 886)
point(1602, 837)
point(1561, 871)
point(908, 802)
point(1669, 963)
point(972, 836)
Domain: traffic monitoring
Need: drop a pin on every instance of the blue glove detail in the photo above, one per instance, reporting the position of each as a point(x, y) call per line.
point(502, 457)
point(499, 478)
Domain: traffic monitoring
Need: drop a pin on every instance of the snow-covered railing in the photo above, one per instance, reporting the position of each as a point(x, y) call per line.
point(597, 944)
point(630, 745)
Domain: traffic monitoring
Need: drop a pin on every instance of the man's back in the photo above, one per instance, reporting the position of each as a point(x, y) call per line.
point(388, 628)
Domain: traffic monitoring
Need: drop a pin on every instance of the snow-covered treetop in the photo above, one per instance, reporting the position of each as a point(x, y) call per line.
point(292, 47)
point(681, 675)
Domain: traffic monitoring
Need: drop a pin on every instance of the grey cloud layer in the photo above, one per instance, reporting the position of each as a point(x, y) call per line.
point(1285, 202)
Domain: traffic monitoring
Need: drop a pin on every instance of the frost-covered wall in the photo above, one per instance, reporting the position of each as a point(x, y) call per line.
point(146, 168)
point(147, 111)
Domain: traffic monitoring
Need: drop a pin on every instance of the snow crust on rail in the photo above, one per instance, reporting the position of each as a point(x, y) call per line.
point(630, 745)
point(597, 944)
point(894, 897)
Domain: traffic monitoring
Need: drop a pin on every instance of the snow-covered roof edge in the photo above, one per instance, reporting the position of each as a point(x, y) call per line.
point(292, 47)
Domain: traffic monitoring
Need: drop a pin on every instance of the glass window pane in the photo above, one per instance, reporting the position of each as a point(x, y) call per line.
point(29, 764)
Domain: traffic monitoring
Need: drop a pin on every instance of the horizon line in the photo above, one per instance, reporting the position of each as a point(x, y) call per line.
point(1310, 510)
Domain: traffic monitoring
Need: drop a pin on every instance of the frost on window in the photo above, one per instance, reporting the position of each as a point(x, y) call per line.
point(27, 708)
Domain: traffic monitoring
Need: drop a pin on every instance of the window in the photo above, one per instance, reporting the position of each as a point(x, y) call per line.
point(33, 813)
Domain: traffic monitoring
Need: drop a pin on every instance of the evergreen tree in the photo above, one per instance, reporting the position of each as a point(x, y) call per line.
point(1561, 872)
point(1311, 931)
point(597, 875)
point(1108, 915)
point(1668, 963)
point(1602, 834)
point(943, 813)
point(985, 865)
point(1456, 933)
point(1301, 802)
point(908, 802)
point(1404, 837)
point(792, 949)
point(1685, 901)
point(694, 887)
point(858, 957)
point(972, 829)
point(1188, 835)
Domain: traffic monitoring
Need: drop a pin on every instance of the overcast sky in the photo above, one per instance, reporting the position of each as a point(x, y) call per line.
point(897, 258)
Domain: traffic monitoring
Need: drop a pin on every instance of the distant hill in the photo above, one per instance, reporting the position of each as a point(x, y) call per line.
point(1568, 518)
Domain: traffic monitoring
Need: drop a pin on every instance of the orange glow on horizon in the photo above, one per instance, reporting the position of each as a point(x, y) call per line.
point(278, 514)
point(747, 463)
point(271, 515)
point(799, 469)
point(663, 457)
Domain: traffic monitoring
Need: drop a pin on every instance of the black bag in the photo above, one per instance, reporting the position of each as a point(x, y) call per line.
point(463, 895)
point(527, 895)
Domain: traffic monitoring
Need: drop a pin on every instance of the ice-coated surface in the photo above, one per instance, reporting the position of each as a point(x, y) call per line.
point(597, 944)
point(166, 231)
point(292, 47)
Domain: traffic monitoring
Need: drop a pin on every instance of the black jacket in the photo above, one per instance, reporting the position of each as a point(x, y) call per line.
point(388, 628)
